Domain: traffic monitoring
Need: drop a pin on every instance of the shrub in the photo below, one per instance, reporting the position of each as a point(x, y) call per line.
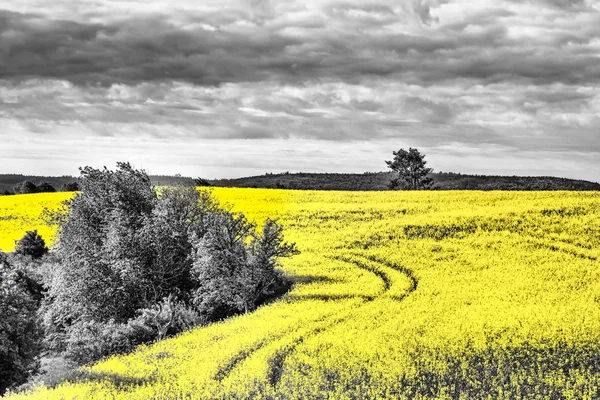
point(234, 277)
point(32, 245)
point(165, 318)
point(20, 334)
point(88, 341)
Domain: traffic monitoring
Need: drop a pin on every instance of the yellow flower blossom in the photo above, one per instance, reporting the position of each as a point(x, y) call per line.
point(397, 295)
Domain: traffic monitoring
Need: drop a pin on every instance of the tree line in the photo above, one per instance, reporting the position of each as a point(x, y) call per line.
point(28, 187)
point(131, 265)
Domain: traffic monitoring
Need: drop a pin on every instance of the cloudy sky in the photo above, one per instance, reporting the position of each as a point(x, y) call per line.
point(226, 88)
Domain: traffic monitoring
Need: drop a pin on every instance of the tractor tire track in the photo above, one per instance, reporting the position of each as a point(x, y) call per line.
point(277, 361)
point(226, 369)
point(387, 283)
point(400, 268)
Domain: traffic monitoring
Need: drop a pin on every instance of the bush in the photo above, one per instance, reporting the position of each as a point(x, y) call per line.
point(234, 277)
point(25, 187)
point(20, 334)
point(166, 318)
point(88, 341)
point(31, 245)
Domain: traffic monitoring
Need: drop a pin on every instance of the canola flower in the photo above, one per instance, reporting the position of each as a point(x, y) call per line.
point(454, 295)
point(22, 213)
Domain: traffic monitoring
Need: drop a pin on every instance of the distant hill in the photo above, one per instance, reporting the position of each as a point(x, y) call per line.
point(452, 181)
point(379, 181)
point(8, 181)
point(311, 181)
point(367, 181)
point(166, 180)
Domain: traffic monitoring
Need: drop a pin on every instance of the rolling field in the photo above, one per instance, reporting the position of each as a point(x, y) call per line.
point(397, 295)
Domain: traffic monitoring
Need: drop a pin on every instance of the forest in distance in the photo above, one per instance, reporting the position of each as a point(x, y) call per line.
point(368, 181)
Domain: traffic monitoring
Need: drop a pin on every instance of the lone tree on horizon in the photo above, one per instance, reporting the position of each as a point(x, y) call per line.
point(412, 171)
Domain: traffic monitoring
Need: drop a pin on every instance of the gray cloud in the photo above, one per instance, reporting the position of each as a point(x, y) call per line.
point(572, 5)
point(466, 81)
point(340, 44)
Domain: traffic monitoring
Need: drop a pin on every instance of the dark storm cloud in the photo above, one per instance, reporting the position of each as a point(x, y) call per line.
point(133, 51)
point(358, 40)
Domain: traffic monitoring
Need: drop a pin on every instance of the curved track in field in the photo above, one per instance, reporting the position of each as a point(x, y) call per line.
point(277, 360)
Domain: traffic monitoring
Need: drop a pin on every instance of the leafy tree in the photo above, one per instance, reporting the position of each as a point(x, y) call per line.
point(20, 334)
point(25, 187)
point(45, 187)
point(70, 187)
point(262, 279)
point(411, 168)
point(32, 245)
point(99, 277)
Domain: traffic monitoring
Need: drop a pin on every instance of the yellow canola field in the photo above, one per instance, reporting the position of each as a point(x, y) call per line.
point(398, 295)
point(22, 213)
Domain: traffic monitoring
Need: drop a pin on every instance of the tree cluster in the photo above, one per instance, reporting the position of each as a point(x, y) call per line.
point(133, 264)
point(28, 187)
point(138, 266)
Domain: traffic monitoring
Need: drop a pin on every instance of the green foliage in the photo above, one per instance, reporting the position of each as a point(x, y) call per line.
point(70, 187)
point(19, 329)
point(32, 245)
point(91, 340)
point(25, 187)
point(374, 181)
point(236, 268)
point(127, 263)
point(45, 187)
point(412, 171)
